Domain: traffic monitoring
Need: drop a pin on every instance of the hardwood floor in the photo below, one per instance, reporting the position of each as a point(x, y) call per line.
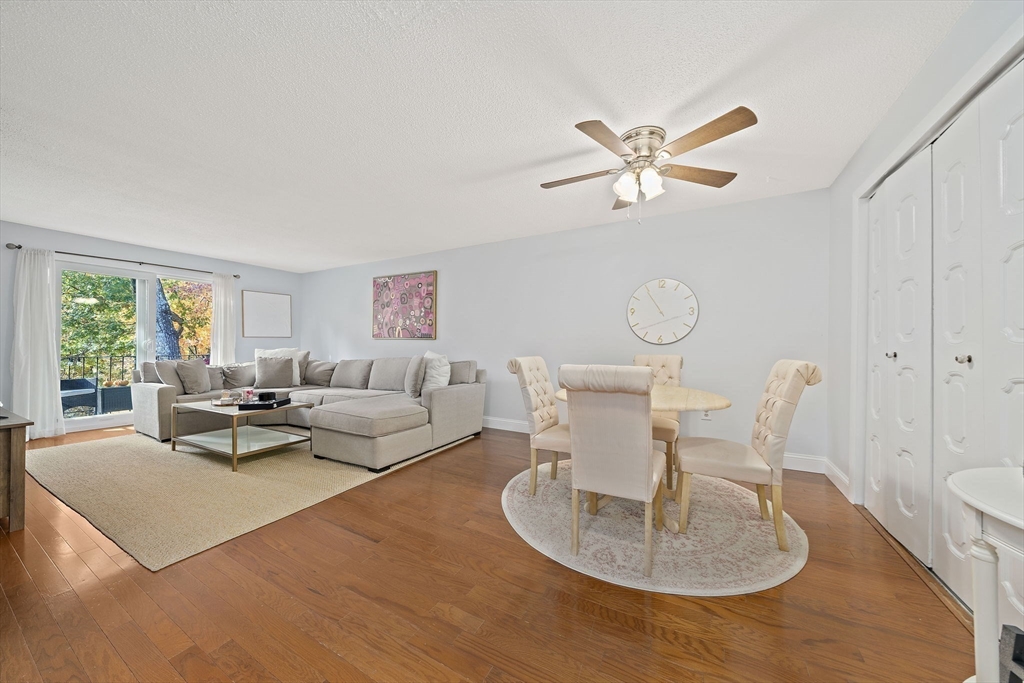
point(417, 576)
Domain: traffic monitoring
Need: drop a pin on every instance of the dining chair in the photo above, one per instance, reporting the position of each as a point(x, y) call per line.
point(546, 434)
point(759, 463)
point(612, 448)
point(665, 426)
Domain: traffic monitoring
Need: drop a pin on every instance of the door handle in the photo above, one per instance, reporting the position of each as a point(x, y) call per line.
point(890, 354)
point(963, 358)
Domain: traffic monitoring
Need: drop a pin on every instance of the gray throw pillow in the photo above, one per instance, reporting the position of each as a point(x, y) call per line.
point(149, 375)
point(388, 374)
point(239, 375)
point(463, 372)
point(352, 374)
point(274, 372)
point(319, 372)
point(167, 371)
point(414, 376)
point(194, 376)
point(216, 377)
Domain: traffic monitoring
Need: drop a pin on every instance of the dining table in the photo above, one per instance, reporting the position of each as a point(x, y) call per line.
point(666, 398)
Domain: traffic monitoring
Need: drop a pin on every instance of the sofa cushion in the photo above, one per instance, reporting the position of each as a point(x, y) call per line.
point(274, 371)
point(437, 372)
point(216, 377)
point(414, 376)
point(389, 374)
point(167, 371)
point(319, 372)
point(300, 358)
point(239, 375)
point(149, 375)
point(463, 372)
point(194, 375)
point(370, 417)
point(352, 374)
point(192, 398)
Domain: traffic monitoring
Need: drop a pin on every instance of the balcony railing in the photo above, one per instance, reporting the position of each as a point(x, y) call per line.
point(97, 384)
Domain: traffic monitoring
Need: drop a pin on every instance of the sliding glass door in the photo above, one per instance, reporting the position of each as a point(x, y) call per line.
point(112, 320)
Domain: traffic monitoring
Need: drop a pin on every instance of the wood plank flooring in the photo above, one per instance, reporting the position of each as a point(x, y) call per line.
point(416, 576)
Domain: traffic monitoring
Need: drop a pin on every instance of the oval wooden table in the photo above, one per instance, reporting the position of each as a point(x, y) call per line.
point(669, 399)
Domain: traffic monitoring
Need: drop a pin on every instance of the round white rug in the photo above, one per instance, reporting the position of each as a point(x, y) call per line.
point(727, 549)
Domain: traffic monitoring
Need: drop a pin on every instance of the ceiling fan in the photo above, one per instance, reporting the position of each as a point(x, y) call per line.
point(641, 147)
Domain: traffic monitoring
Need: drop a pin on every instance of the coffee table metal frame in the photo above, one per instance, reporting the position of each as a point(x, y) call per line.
point(215, 441)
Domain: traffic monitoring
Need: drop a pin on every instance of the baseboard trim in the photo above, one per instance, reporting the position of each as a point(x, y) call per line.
point(506, 424)
point(839, 479)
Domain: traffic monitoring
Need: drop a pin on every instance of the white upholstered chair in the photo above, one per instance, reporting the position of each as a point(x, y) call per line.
point(546, 434)
point(759, 463)
point(668, 371)
point(612, 449)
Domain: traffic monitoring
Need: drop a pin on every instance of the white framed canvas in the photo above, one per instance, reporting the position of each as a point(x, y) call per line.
point(265, 314)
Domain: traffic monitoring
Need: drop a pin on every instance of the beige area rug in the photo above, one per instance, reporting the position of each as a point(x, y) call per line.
point(161, 506)
point(727, 549)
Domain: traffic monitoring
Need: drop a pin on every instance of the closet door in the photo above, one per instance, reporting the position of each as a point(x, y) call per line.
point(959, 419)
point(1002, 216)
point(878, 365)
point(908, 484)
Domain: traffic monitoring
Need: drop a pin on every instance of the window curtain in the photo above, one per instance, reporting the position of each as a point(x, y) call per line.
point(35, 357)
point(222, 342)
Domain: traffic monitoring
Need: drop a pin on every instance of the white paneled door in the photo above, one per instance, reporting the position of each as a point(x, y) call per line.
point(959, 419)
point(878, 365)
point(908, 444)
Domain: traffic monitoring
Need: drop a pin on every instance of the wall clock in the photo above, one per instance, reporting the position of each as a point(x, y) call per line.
point(662, 311)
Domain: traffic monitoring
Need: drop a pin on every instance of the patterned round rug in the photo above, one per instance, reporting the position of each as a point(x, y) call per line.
point(727, 549)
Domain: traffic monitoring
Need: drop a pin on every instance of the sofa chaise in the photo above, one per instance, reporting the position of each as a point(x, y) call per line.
point(364, 412)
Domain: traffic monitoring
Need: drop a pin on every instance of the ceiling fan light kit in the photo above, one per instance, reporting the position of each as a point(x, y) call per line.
point(639, 148)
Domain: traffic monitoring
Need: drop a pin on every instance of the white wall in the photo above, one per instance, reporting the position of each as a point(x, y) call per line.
point(759, 270)
point(973, 34)
point(253, 277)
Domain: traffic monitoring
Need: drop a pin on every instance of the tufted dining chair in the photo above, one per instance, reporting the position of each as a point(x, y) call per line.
point(546, 434)
point(759, 463)
point(668, 371)
point(612, 449)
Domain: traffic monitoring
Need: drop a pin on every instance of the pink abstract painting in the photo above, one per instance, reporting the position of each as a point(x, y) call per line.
point(405, 306)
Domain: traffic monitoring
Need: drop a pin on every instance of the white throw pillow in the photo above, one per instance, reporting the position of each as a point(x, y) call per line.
point(294, 354)
point(437, 373)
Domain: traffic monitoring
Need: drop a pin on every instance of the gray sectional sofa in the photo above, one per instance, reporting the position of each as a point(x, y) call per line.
point(365, 412)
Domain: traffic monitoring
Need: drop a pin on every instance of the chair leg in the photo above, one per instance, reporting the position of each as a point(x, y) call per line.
point(648, 538)
point(780, 527)
point(533, 471)
point(591, 502)
point(670, 448)
point(575, 521)
point(659, 511)
point(683, 496)
point(762, 500)
point(554, 465)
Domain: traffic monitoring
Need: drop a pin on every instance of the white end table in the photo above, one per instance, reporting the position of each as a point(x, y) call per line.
point(996, 494)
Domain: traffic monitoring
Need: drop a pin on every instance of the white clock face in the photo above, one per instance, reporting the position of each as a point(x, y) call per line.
point(662, 311)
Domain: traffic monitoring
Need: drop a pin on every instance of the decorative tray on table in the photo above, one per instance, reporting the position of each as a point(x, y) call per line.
point(264, 405)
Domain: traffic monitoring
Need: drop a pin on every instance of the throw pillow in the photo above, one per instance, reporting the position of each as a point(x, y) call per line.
point(301, 358)
point(414, 376)
point(274, 371)
point(216, 377)
point(463, 372)
point(168, 374)
point(319, 372)
point(352, 374)
point(437, 372)
point(194, 376)
point(239, 375)
point(388, 374)
point(149, 375)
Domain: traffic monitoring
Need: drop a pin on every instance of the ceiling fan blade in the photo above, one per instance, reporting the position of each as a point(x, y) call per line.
point(605, 137)
point(620, 204)
point(726, 124)
point(692, 174)
point(578, 178)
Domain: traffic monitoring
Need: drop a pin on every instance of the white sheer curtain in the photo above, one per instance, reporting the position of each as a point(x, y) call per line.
point(35, 360)
point(222, 342)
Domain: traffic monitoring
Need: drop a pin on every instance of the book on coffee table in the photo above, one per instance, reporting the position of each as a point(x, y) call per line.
point(263, 405)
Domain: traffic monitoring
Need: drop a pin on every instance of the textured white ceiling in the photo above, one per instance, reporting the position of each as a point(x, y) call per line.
point(307, 135)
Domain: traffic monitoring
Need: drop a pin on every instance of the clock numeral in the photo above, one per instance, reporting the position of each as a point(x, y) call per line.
point(632, 311)
point(692, 311)
point(661, 284)
point(659, 339)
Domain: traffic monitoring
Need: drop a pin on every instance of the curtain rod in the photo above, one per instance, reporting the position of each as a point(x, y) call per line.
point(12, 245)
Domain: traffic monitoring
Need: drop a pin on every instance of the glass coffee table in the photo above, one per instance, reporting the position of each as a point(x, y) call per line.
point(240, 440)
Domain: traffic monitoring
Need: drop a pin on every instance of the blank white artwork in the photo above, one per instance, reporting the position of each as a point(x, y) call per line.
point(266, 315)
